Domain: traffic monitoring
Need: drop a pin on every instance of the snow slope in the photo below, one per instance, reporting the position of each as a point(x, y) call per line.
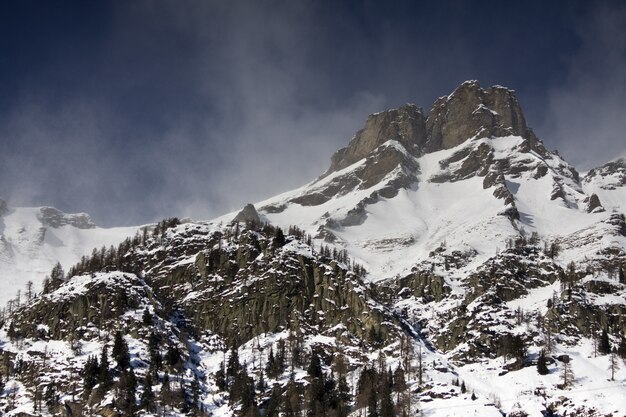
point(30, 246)
point(401, 231)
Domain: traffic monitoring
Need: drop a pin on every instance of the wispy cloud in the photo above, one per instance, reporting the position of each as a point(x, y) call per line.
point(585, 117)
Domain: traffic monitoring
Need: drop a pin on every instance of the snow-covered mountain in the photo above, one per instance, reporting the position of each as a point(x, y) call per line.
point(34, 239)
point(471, 176)
point(452, 248)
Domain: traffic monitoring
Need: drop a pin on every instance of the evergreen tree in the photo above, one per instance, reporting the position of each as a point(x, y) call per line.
point(146, 318)
point(147, 396)
point(273, 403)
point(195, 392)
point(104, 376)
point(90, 374)
point(542, 364)
point(316, 388)
point(233, 368)
point(604, 346)
point(291, 400)
point(279, 238)
point(220, 378)
point(400, 386)
point(167, 397)
point(126, 389)
point(120, 351)
point(173, 357)
point(386, 403)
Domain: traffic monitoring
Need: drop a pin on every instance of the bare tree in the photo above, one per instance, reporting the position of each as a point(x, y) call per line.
point(567, 375)
point(29, 290)
point(613, 363)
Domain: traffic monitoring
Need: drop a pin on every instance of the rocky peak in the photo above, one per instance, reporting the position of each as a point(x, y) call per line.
point(52, 217)
point(471, 111)
point(406, 125)
point(248, 214)
point(609, 176)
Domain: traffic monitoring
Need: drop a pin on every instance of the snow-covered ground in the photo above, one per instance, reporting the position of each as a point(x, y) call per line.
point(29, 248)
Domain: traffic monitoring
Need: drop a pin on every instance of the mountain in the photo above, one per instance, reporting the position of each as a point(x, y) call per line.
point(34, 239)
point(445, 263)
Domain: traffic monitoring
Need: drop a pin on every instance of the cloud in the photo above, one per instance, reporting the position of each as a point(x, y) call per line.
point(194, 112)
point(585, 117)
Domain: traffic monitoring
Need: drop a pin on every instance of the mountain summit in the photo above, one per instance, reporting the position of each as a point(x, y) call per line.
point(469, 112)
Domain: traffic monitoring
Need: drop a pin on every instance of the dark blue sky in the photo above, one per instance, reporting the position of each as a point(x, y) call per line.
point(137, 110)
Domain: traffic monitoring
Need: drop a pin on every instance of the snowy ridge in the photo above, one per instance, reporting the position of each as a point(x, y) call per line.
point(30, 246)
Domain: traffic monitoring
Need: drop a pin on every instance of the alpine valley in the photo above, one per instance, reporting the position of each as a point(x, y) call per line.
point(445, 264)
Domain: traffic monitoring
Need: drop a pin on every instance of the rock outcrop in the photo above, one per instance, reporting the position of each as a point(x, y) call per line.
point(471, 111)
point(3, 207)
point(248, 215)
point(406, 125)
point(49, 216)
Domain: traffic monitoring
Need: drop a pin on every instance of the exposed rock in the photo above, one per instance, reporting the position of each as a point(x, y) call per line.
point(3, 207)
point(610, 175)
point(389, 163)
point(248, 215)
point(471, 111)
point(405, 125)
point(593, 204)
point(49, 216)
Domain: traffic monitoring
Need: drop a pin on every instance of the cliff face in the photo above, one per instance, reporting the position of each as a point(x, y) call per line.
point(473, 112)
point(468, 112)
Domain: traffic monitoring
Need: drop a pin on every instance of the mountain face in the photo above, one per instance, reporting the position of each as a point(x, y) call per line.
point(444, 264)
point(34, 239)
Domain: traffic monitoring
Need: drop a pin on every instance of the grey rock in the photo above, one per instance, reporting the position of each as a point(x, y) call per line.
point(247, 214)
point(593, 204)
point(405, 124)
point(3, 207)
point(49, 216)
point(471, 111)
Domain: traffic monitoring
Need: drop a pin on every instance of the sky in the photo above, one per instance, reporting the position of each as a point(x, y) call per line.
point(134, 111)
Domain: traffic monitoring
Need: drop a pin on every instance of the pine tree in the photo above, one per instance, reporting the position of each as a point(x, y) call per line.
point(316, 388)
point(126, 389)
point(291, 400)
point(273, 403)
point(173, 356)
point(386, 403)
point(400, 386)
point(233, 368)
point(166, 391)
point(90, 374)
point(146, 318)
point(604, 346)
point(279, 238)
point(542, 364)
point(104, 376)
point(120, 351)
point(147, 396)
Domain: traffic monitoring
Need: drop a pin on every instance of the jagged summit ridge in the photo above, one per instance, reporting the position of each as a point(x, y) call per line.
point(473, 112)
point(468, 112)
